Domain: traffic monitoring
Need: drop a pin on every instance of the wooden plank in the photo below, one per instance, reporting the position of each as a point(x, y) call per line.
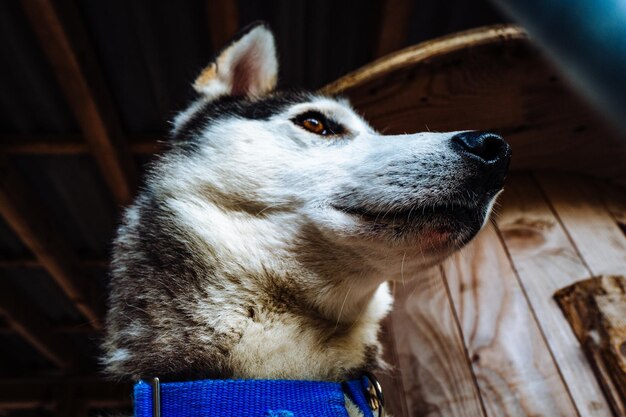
point(615, 199)
point(391, 379)
point(26, 320)
point(546, 261)
point(596, 310)
point(34, 263)
point(578, 204)
point(515, 371)
point(23, 213)
point(439, 48)
point(394, 26)
point(65, 43)
point(223, 21)
point(436, 373)
point(67, 328)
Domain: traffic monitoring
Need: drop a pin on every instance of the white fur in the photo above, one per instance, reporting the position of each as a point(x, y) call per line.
point(294, 177)
point(267, 195)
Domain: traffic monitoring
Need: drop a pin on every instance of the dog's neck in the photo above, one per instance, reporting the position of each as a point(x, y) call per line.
point(280, 252)
point(222, 293)
point(303, 295)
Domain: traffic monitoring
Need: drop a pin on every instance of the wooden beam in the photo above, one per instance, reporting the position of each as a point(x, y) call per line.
point(394, 26)
point(223, 21)
point(64, 41)
point(31, 393)
point(72, 145)
point(63, 328)
point(26, 320)
point(32, 263)
point(23, 213)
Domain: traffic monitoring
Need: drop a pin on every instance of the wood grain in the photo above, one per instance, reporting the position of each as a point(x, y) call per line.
point(515, 371)
point(436, 374)
point(615, 199)
point(391, 379)
point(593, 230)
point(546, 261)
point(596, 310)
point(490, 78)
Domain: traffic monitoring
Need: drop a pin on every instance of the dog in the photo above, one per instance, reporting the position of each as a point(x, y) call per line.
point(262, 242)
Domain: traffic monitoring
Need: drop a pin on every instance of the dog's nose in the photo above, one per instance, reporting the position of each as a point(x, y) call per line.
point(488, 147)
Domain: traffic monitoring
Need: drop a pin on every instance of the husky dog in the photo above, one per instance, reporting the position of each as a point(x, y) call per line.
point(261, 244)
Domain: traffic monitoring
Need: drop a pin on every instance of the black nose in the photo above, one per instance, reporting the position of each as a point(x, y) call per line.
point(488, 147)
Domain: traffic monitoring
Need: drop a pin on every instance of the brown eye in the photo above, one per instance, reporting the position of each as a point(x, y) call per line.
point(318, 123)
point(314, 125)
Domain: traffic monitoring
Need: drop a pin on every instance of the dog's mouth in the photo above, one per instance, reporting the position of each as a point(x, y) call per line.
point(417, 214)
point(443, 222)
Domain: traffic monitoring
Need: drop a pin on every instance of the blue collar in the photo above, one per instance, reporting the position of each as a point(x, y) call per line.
point(253, 398)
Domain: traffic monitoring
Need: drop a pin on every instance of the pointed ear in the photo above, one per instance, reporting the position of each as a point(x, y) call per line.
point(247, 66)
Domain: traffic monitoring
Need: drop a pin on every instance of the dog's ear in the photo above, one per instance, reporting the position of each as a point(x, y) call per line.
point(247, 66)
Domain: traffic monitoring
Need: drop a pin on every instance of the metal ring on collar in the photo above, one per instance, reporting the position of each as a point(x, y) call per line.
point(156, 397)
point(376, 399)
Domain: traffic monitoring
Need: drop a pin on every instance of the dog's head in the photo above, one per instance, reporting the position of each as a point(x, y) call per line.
point(259, 243)
point(313, 169)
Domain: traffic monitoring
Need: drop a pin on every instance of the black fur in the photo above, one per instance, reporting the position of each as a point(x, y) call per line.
point(228, 106)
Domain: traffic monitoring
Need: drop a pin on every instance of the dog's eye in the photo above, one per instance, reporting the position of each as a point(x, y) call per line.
point(314, 125)
point(317, 123)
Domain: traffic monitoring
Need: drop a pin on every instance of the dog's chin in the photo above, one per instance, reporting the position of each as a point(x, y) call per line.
point(434, 229)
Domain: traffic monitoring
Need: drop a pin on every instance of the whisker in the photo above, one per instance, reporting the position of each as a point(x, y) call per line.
point(402, 269)
point(342, 306)
point(271, 206)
